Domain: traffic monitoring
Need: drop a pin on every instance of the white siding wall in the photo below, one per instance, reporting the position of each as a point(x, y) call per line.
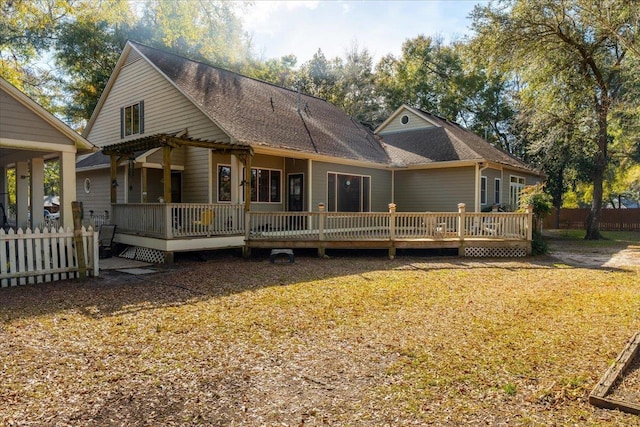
point(415, 122)
point(435, 190)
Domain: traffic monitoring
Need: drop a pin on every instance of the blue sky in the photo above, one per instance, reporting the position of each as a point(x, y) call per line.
point(278, 28)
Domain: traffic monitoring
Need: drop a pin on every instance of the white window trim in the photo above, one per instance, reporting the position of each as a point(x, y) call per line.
point(497, 192)
point(483, 195)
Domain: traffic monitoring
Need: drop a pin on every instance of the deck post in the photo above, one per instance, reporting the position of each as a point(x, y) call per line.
point(321, 219)
point(529, 212)
point(462, 208)
point(392, 230)
point(168, 221)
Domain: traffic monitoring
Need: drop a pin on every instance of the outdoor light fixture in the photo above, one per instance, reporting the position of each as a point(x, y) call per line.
point(114, 183)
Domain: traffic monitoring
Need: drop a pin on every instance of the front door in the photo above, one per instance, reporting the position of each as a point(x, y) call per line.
point(296, 200)
point(296, 192)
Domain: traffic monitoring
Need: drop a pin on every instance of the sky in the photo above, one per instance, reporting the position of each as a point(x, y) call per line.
point(279, 28)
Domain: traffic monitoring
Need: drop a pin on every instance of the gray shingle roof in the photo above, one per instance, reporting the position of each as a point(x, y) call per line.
point(260, 113)
point(447, 141)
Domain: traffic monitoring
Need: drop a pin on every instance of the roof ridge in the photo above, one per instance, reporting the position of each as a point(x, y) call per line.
point(217, 67)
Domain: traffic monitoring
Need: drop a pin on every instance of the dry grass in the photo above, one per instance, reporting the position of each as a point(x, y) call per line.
point(352, 340)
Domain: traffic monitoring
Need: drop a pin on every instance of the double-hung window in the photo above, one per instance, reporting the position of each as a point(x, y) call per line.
point(483, 190)
point(132, 119)
point(498, 190)
point(224, 183)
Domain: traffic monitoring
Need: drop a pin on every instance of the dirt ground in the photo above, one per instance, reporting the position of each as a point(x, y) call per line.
point(614, 256)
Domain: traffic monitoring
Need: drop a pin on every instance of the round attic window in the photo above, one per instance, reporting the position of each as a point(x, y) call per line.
point(87, 185)
point(404, 120)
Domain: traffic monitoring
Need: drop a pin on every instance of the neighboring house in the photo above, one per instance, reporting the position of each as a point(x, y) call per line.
point(180, 131)
point(29, 136)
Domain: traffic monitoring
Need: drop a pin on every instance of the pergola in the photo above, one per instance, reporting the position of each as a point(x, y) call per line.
point(169, 141)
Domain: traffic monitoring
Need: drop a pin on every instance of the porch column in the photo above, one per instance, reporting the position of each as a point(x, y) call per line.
point(246, 251)
point(114, 178)
point(236, 168)
point(143, 179)
point(22, 194)
point(37, 191)
point(4, 196)
point(67, 188)
point(166, 170)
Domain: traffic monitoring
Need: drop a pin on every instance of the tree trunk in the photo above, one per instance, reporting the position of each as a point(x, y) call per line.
point(600, 163)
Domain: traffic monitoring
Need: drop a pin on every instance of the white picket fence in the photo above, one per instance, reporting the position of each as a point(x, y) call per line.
point(44, 255)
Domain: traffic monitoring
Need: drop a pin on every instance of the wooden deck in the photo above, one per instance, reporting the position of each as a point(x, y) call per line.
point(179, 227)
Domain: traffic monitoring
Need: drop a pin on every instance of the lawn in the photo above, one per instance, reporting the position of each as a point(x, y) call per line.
point(354, 340)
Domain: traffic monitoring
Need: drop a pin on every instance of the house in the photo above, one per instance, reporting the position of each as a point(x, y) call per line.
point(189, 150)
point(30, 136)
point(438, 164)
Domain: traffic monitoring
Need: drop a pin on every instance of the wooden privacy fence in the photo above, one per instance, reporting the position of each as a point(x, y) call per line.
point(44, 255)
point(610, 219)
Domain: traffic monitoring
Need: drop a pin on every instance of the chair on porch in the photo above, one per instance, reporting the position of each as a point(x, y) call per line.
point(105, 240)
point(206, 220)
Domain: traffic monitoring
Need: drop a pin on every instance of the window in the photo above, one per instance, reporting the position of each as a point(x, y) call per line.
point(516, 183)
point(132, 119)
point(348, 193)
point(224, 183)
point(483, 190)
point(404, 120)
point(266, 185)
point(87, 185)
point(498, 190)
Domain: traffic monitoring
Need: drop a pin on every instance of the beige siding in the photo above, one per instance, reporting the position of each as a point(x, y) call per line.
point(196, 187)
point(18, 122)
point(491, 175)
point(380, 184)
point(415, 122)
point(434, 190)
point(165, 108)
point(177, 156)
point(98, 199)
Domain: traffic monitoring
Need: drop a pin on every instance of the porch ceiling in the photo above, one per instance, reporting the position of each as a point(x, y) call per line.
point(174, 141)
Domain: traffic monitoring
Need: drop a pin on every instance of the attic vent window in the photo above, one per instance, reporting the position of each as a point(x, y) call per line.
point(404, 120)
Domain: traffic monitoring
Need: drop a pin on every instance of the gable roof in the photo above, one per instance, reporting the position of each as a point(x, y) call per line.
point(262, 114)
point(443, 142)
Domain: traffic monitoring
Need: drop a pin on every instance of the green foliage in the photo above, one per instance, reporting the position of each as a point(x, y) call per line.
point(541, 203)
point(572, 59)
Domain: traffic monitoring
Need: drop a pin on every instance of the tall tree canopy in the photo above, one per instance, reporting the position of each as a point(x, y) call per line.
point(572, 53)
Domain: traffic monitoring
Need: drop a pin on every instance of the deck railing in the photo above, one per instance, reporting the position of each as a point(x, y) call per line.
point(345, 226)
point(178, 220)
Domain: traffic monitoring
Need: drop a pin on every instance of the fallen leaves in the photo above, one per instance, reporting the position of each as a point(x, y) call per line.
point(341, 341)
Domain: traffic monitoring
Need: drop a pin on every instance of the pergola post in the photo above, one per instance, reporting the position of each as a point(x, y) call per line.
point(166, 172)
point(114, 178)
point(246, 252)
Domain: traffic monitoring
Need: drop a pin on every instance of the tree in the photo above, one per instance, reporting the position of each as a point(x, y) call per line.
point(450, 82)
point(551, 44)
